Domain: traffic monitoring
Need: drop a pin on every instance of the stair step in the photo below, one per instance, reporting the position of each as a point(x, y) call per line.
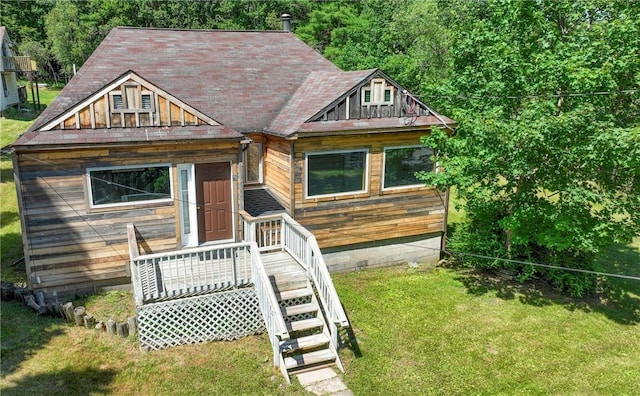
point(310, 358)
point(295, 293)
point(306, 324)
point(314, 341)
point(299, 309)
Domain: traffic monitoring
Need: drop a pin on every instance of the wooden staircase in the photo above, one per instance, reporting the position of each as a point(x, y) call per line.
point(309, 345)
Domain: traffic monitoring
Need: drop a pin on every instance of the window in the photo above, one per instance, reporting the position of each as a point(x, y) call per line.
point(335, 173)
point(4, 86)
point(377, 92)
point(124, 185)
point(146, 102)
point(188, 205)
point(253, 163)
point(118, 104)
point(402, 163)
point(131, 98)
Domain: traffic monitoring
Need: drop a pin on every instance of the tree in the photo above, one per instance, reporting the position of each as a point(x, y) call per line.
point(544, 175)
point(68, 35)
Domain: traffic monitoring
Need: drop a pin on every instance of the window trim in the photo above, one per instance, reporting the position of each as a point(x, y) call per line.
point(5, 87)
point(260, 164)
point(365, 186)
point(129, 203)
point(189, 210)
point(384, 168)
point(376, 89)
point(127, 107)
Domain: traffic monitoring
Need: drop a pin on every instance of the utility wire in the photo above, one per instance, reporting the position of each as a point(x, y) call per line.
point(367, 237)
point(543, 265)
point(537, 96)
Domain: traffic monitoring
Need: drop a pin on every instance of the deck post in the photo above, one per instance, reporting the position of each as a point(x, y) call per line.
point(283, 235)
point(308, 259)
point(234, 266)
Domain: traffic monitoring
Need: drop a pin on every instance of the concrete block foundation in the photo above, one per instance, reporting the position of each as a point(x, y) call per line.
point(423, 249)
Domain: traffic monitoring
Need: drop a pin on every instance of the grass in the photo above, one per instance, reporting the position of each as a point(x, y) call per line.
point(42, 355)
point(12, 125)
point(420, 331)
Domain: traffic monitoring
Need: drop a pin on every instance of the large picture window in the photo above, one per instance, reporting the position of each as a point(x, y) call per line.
point(335, 173)
point(124, 185)
point(402, 163)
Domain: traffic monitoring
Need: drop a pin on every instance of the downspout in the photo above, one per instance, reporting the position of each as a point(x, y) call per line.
point(443, 240)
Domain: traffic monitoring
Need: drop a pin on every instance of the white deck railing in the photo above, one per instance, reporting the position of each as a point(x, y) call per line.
point(172, 275)
point(285, 233)
point(191, 271)
point(265, 231)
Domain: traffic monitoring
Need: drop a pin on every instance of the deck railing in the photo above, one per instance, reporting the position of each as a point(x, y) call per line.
point(269, 307)
point(189, 272)
point(289, 235)
point(265, 231)
point(19, 64)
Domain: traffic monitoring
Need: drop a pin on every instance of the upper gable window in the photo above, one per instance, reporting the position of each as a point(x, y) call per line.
point(377, 92)
point(131, 98)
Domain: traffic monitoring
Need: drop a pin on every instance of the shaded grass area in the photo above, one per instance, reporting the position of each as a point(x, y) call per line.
point(12, 124)
point(42, 355)
point(460, 332)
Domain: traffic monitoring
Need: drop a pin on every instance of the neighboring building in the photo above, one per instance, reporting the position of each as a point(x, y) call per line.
point(9, 96)
point(184, 132)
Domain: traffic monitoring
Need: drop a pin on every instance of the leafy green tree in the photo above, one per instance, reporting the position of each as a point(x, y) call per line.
point(543, 174)
point(68, 35)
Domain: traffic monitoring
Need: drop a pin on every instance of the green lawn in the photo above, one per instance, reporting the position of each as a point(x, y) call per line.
point(12, 125)
point(460, 332)
point(420, 331)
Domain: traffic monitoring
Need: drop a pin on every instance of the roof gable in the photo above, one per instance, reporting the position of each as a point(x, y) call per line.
point(129, 101)
point(351, 96)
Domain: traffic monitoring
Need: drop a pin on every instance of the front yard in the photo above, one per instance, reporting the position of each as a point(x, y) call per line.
point(420, 331)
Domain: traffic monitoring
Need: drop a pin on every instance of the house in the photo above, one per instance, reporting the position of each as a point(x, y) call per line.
point(189, 146)
point(10, 95)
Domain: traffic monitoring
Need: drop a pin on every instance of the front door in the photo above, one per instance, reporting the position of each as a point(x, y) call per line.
point(213, 190)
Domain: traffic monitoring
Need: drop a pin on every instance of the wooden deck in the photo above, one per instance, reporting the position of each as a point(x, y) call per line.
point(187, 274)
point(284, 272)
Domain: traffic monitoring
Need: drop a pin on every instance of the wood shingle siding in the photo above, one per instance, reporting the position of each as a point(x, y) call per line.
point(71, 246)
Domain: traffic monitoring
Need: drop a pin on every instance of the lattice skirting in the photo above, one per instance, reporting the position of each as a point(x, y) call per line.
point(218, 316)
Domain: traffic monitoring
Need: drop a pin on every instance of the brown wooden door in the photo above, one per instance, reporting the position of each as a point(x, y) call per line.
point(213, 190)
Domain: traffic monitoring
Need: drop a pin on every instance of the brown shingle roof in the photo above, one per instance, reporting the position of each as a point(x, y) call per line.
point(125, 135)
point(379, 124)
point(239, 78)
point(316, 92)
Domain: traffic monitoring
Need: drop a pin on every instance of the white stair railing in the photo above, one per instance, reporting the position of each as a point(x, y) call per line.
point(269, 307)
point(302, 246)
point(283, 232)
